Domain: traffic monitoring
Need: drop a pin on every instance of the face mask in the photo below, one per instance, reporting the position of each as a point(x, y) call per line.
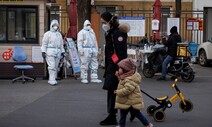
point(87, 28)
point(105, 27)
point(55, 28)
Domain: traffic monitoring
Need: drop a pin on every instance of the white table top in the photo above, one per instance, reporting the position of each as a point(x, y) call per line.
point(146, 51)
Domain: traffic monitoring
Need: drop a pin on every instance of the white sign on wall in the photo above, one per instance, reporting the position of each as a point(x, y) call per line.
point(36, 54)
point(173, 22)
point(155, 24)
point(137, 25)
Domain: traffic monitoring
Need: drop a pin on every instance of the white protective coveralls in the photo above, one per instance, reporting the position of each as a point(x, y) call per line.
point(88, 51)
point(52, 45)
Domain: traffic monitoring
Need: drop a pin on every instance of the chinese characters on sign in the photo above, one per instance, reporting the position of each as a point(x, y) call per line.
point(73, 55)
point(194, 24)
point(137, 25)
point(155, 24)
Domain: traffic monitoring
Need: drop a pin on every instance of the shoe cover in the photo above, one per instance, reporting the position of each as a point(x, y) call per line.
point(96, 81)
point(84, 81)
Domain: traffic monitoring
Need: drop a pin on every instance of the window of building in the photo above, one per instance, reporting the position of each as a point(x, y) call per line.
point(18, 24)
point(68, 2)
point(51, 1)
point(2, 24)
point(111, 9)
point(165, 15)
point(55, 13)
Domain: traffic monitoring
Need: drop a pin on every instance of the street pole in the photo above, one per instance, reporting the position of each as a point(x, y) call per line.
point(178, 8)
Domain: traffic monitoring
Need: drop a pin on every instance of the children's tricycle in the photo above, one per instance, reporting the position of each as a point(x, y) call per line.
point(158, 112)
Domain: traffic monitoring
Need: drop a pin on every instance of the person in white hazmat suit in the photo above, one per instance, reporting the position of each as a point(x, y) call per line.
point(88, 50)
point(53, 50)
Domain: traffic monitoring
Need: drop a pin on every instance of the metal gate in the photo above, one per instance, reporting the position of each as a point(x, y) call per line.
point(187, 35)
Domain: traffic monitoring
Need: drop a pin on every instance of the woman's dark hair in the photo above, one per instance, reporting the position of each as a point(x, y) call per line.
point(114, 21)
point(108, 17)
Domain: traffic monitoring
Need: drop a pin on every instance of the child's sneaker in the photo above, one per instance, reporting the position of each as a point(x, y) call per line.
point(150, 125)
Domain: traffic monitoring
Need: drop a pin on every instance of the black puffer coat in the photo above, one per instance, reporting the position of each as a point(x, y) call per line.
point(116, 37)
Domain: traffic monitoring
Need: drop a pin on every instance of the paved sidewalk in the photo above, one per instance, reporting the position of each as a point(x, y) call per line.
point(72, 104)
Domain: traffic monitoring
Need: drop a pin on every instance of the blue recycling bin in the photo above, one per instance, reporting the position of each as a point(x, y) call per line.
point(193, 48)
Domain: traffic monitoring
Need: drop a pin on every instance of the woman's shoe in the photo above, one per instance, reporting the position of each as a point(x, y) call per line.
point(110, 120)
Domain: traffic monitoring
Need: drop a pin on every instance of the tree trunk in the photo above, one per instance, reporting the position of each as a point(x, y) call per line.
point(84, 12)
point(178, 8)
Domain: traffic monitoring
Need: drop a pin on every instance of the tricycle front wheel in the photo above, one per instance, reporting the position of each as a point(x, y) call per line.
point(188, 107)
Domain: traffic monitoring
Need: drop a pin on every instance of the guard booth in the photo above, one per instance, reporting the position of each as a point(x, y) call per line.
point(22, 23)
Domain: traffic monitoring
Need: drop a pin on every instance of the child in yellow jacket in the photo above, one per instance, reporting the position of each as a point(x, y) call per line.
point(128, 94)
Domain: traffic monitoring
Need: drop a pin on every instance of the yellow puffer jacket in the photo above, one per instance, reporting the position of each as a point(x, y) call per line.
point(129, 94)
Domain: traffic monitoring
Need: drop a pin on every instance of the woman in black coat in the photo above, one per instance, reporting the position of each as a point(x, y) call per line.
point(116, 41)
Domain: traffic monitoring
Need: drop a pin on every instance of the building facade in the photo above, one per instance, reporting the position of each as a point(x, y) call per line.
point(206, 6)
point(144, 8)
point(22, 23)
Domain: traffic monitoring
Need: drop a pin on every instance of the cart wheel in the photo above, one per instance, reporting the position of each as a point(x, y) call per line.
point(33, 80)
point(188, 107)
point(159, 115)
point(150, 109)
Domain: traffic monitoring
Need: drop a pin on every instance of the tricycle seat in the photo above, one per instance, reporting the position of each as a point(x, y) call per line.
point(162, 98)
